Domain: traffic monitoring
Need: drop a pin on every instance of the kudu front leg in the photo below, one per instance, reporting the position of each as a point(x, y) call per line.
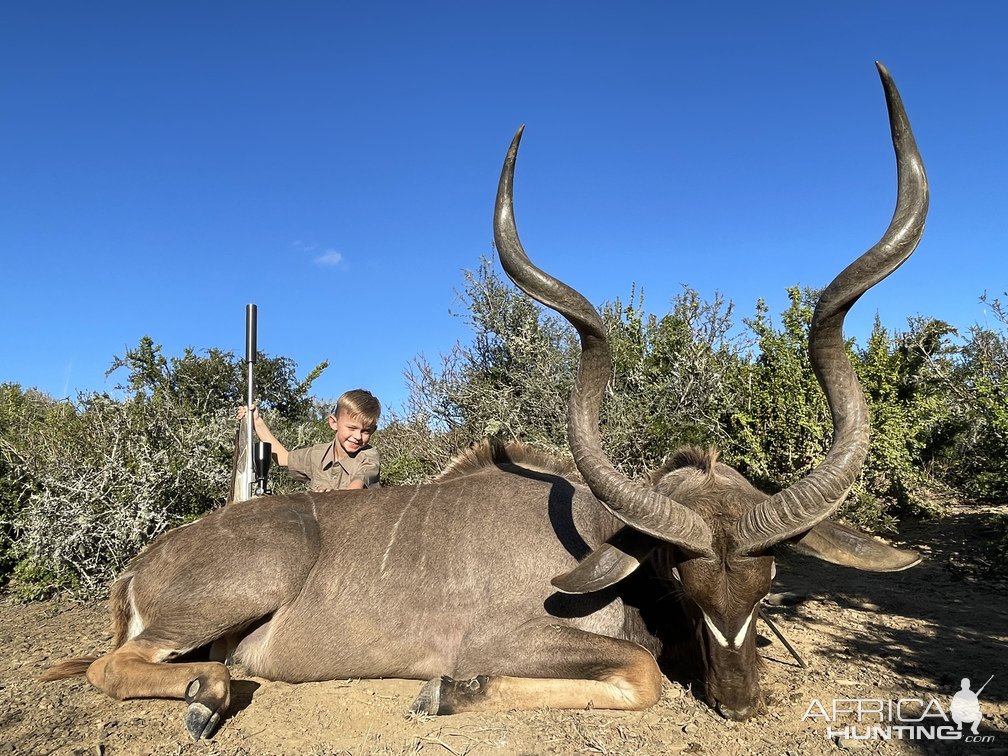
point(554, 666)
point(132, 671)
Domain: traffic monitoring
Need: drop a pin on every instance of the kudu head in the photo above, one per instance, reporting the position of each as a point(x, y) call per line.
point(700, 520)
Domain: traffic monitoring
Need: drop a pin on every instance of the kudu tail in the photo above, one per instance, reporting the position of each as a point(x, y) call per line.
point(67, 668)
point(119, 610)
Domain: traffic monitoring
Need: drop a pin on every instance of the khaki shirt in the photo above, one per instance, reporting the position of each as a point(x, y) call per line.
point(317, 465)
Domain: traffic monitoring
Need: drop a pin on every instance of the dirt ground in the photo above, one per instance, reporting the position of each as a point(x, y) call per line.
point(911, 635)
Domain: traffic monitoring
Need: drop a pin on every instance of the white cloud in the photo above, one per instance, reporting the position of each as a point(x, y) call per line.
point(329, 258)
point(325, 257)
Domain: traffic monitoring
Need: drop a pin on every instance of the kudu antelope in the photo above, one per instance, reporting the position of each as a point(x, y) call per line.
point(507, 582)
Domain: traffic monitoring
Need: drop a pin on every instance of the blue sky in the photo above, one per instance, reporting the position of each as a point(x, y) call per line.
point(163, 164)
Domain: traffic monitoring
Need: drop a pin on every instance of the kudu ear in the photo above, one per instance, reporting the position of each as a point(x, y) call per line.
point(619, 556)
point(838, 544)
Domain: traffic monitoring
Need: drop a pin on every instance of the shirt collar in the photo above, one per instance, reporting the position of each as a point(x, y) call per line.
point(345, 461)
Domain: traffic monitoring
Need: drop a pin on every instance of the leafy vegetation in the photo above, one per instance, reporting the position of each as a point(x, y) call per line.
point(85, 484)
point(693, 376)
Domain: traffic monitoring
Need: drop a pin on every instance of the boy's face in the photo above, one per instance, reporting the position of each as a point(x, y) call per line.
point(352, 434)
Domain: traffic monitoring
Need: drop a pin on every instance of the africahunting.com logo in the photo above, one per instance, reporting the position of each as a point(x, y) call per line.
point(903, 719)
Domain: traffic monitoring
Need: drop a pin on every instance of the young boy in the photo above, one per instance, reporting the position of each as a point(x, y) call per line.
point(348, 462)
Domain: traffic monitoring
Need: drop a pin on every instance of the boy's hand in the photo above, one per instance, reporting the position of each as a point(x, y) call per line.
point(243, 410)
point(264, 433)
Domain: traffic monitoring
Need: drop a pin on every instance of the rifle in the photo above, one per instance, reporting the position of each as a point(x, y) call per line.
point(250, 360)
point(984, 685)
point(251, 463)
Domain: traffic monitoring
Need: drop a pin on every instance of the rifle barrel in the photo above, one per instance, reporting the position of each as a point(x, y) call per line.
point(250, 360)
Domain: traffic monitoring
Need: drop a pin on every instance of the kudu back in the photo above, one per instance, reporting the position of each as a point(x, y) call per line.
point(511, 580)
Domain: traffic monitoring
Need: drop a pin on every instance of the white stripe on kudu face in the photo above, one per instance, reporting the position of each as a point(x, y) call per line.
point(736, 642)
point(722, 641)
point(739, 638)
point(744, 629)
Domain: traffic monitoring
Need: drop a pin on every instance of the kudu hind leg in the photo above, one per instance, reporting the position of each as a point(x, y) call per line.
point(134, 670)
point(551, 665)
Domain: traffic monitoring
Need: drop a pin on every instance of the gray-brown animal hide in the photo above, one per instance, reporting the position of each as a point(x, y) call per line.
point(399, 582)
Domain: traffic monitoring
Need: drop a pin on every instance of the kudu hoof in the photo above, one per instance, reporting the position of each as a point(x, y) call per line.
point(203, 714)
point(446, 695)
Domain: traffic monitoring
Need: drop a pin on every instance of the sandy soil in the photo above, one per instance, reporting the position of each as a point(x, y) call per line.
point(911, 635)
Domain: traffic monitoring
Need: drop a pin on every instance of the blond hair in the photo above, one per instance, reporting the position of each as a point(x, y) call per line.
point(361, 404)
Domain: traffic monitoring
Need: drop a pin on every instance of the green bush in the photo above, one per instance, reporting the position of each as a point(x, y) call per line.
point(86, 484)
point(691, 377)
point(778, 426)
